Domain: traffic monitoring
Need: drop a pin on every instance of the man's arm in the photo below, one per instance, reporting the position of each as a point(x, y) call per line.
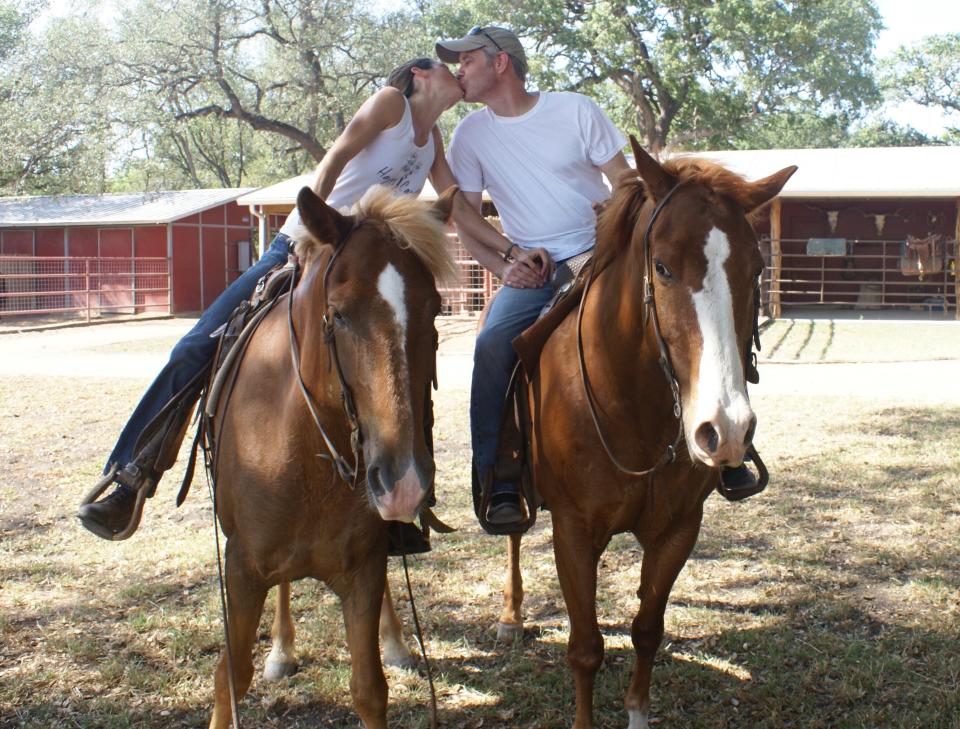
point(615, 168)
point(381, 111)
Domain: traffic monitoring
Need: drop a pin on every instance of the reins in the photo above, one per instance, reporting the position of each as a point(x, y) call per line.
point(347, 472)
point(665, 364)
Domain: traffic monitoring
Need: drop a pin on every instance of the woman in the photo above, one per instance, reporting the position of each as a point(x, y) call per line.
point(392, 140)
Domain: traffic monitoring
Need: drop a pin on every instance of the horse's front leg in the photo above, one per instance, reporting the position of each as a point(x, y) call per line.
point(510, 626)
point(577, 559)
point(362, 597)
point(245, 596)
point(661, 565)
point(395, 651)
point(282, 661)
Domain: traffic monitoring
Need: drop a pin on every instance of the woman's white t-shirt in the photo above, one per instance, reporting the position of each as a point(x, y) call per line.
point(391, 159)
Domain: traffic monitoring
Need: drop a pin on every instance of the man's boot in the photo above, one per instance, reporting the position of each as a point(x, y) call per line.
point(117, 516)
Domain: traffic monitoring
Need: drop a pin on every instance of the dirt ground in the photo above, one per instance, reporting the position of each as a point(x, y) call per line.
point(829, 601)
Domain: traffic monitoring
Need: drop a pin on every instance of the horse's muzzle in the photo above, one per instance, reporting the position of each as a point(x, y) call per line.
point(398, 497)
point(722, 440)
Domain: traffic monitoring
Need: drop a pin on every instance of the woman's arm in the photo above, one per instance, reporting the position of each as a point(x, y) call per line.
point(381, 111)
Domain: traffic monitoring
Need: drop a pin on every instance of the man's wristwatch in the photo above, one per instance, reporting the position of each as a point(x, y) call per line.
point(506, 254)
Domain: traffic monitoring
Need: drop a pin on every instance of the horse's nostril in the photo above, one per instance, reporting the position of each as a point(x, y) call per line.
point(373, 480)
point(707, 438)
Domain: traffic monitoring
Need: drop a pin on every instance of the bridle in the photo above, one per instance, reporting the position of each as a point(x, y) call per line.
point(348, 472)
point(665, 364)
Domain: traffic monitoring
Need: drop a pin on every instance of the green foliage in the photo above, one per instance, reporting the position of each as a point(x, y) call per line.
point(926, 73)
point(198, 93)
point(890, 134)
point(692, 71)
point(55, 133)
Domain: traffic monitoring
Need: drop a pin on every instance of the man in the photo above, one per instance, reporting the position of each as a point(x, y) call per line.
point(541, 157)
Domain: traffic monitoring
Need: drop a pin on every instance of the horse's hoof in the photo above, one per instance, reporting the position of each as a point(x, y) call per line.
point(509, 632)
point(404, 660)
point(278, 670)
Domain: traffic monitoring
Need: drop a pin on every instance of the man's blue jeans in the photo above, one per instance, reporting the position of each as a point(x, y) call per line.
point(191, 354)
point(512, 311)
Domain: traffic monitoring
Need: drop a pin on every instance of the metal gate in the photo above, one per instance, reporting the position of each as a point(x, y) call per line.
point(91, 287)
point(864, 275)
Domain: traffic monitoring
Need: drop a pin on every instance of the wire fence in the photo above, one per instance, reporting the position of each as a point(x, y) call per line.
point(91, 287)
point(476, 284)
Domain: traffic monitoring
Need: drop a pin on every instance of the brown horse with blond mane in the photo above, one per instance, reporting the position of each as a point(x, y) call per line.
point(358, 334)
point(639, 397)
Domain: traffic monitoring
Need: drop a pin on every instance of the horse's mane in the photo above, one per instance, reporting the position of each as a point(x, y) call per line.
point(411, 223)
point(615, 227)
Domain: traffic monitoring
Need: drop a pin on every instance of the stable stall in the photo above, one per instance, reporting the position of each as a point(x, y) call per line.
point(866, 230)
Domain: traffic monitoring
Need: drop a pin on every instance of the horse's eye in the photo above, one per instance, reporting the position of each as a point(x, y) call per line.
point(662, 271)
point(338, 316)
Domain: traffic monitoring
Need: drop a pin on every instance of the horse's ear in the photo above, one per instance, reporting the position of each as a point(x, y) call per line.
point(324, 223)
point(764, 190)
point(656, 179)
point(444, 205)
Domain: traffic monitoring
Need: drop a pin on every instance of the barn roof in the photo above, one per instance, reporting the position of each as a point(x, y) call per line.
point(853, 172)
point(847, 172)
point(136, 208)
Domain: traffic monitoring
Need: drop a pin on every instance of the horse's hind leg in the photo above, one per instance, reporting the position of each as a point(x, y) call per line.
point(577, 559)
point(362, 599)
point(245, 596)
point(510, 626)
point(395, 651)
point(661, 565)
point(282, 661)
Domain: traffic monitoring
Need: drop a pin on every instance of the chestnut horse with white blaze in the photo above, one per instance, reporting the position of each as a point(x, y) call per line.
point(359, 330)
point(674, 274)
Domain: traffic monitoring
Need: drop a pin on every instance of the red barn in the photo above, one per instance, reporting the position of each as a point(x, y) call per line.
point(126, 252)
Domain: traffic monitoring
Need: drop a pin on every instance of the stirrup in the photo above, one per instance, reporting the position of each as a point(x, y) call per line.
point(101, 486)
point(144, 489)
point(744, 492)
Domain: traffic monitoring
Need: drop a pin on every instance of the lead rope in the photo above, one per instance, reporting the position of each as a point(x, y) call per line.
point(420, 641)
point(211, 487)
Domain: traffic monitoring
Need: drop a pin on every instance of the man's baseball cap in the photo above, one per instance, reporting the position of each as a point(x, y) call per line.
point(484, 36)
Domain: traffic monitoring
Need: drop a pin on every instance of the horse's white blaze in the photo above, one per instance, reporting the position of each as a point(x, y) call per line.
point(638, 719)
point(391, 287)
point(719, 395)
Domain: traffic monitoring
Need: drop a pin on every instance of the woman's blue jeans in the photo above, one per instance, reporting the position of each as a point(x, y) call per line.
point(512, 311)
point(191, 354)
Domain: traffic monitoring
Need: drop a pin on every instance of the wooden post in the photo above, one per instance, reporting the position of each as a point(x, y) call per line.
point(86, 284)
point(956, 266)
point(776, 259)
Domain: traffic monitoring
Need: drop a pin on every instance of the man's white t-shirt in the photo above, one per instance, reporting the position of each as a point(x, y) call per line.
point(541, 169)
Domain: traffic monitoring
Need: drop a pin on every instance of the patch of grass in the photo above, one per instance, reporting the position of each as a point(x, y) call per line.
point(829, 601)
point(842, 340)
